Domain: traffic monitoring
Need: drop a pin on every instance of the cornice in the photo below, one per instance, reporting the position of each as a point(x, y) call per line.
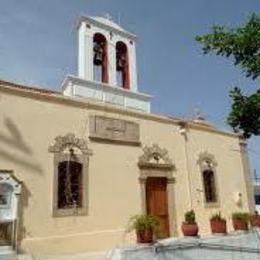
point(57, 97)
point(87, 19)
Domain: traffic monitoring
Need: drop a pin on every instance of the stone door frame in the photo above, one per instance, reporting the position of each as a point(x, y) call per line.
point(155, 163)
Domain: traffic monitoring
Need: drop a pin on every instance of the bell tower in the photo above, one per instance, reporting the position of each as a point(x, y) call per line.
point(106, 65)
point(107, 53)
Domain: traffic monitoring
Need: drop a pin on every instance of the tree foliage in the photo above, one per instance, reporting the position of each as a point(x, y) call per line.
point(242, 45)
point(245, 112)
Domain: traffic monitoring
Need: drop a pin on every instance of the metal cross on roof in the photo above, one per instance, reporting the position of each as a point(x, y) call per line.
point(108, 16)
point(198, 114)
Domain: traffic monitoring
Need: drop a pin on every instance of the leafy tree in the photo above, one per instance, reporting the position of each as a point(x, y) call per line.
point(245, 112)
point(242, 45)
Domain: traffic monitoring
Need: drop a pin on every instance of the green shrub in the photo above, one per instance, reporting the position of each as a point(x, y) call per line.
point(190, 217)
point(143, 222)
point(242, 216)
point(217, 216)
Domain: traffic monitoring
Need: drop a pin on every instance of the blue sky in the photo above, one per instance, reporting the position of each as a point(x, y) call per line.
point(38, 46)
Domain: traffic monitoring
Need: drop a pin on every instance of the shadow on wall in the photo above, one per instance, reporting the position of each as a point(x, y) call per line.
point(24, 202)
point(16, 141)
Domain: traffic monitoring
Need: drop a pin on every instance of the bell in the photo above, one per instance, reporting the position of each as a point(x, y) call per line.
point(98, 55)
point(121, 63)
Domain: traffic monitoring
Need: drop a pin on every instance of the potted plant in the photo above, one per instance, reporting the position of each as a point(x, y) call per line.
point(189, 226)
point(218, 224)
point(145, 227)
point(255, 220)
point(240, 221)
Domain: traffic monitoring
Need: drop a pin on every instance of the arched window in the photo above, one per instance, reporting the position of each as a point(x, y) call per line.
point(208, 165)
point(209, 186)
point(100, 58)
point(71, 156)
point(70, 184)
point(122, 65)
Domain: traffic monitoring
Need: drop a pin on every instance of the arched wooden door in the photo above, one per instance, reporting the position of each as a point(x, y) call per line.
point(157, 203)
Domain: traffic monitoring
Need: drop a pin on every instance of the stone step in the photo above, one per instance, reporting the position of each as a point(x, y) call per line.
point(8, 257)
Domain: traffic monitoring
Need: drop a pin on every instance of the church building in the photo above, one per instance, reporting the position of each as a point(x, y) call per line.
point(75, 165)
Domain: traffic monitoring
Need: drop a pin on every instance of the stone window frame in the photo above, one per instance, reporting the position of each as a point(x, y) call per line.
point(66, 142)
point(155, 162)
point(211, 165)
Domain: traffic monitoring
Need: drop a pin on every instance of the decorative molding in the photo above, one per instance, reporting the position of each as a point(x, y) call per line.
point(66, 142)
point(155, 157)
point(115, 28)
point(142, 179)
point(106, 129)
point(106, 94)
point(155, 163)
point(10, 190)
point(9, 178)
point(206, 160)
point(171, 180)
point(69, 140)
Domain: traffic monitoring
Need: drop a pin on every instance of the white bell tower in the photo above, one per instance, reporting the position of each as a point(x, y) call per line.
point(101, 40)
point(107, 68)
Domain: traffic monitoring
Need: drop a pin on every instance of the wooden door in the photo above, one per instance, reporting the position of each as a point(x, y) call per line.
point(157, 203)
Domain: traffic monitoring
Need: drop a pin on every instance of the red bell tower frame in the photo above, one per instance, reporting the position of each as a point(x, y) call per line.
point(100, 56)
point(122, 65)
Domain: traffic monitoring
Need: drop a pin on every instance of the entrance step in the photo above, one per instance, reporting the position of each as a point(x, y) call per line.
point(8, 256)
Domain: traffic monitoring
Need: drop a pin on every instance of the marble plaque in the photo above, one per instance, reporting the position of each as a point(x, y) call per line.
point(114, 130)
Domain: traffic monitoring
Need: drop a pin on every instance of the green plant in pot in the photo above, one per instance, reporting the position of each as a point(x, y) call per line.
point(218, 224)
point(240, 221)
point(255, 219)
point(189, 226)
point(145, 226)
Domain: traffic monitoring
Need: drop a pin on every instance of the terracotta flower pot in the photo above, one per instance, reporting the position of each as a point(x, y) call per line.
point(145, 236)
point(240, 225)
point(218, 226)
point(255, 221)
point(190, 230)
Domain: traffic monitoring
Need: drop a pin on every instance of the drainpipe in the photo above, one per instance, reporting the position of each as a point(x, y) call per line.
point(183, 131)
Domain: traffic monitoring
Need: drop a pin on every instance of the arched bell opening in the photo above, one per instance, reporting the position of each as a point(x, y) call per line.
point(100, 58)
point(122, 65)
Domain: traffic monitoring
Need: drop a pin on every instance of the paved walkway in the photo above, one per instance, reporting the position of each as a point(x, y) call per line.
point(86, 256)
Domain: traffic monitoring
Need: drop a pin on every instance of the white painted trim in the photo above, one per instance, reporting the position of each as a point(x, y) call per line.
point(106, 93)
point(87, 19)
point(77, 80)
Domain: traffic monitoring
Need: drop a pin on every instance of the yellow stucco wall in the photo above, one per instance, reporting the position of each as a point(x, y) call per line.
point(29, 123)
